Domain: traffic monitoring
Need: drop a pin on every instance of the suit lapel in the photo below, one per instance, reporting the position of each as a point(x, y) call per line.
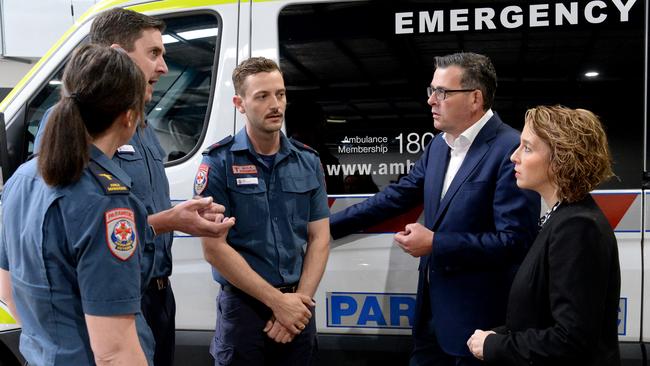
point(439, 149)
point(475, 154)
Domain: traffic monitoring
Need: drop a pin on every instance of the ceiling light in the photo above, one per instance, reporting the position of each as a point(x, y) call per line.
point(166, 38)
point(199, 33)
point(591, 74)
point(336, 120)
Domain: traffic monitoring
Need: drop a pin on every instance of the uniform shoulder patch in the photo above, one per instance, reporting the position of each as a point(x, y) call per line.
point(109, 183)
point(221, 143)
point(302, 146)
point(201, 180)
point(121, 236)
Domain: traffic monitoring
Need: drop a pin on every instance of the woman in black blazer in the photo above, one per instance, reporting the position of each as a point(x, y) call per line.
point(563, 304)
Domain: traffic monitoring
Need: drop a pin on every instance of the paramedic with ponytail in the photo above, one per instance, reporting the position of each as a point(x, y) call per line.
point(73, 236)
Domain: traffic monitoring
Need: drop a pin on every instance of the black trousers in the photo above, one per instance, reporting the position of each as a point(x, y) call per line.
point(159, 309)
point(240, 340)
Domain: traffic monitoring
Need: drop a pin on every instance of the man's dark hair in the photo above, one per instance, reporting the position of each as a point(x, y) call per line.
point(478, 73)
point(123, 27)
point(251, 66)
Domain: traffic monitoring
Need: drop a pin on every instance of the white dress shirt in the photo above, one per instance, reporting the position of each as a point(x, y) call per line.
point(459, 147)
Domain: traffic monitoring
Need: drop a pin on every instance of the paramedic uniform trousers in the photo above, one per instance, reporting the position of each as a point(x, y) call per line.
point(240, 340)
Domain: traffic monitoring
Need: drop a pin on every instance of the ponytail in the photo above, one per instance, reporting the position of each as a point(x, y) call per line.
point(64, 149)
point(99, 83)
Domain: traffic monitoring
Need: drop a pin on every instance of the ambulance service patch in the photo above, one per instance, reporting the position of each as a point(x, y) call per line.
point(201, 180)
point(121, 235)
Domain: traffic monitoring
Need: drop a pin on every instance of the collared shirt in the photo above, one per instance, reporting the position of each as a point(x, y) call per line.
point(273, 206)
point(142, 160)
point(74, 250)
point(459, 147)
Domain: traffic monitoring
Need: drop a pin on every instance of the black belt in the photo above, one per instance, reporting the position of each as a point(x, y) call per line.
point(285, 289)
point(288, 288)
point(159, 283)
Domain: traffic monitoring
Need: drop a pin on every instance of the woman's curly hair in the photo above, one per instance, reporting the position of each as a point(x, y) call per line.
point(580, 157)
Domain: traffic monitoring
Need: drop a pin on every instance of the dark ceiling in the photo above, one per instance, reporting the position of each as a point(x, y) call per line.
point(348, 59)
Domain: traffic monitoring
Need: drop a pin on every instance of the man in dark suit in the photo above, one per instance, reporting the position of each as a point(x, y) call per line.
point(477, 224)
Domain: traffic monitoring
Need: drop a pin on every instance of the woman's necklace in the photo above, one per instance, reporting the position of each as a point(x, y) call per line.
point(547, 215)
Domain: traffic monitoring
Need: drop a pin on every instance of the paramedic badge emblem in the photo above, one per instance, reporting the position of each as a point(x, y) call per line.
point(121, 234)
point(201, 180)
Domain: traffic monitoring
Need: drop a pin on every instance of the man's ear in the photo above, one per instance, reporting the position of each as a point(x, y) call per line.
point(239, 104)
point(478, 101)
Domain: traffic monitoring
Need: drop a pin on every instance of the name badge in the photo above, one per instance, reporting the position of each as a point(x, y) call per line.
point(246, 181)
point(126, 149)
point(244, 169)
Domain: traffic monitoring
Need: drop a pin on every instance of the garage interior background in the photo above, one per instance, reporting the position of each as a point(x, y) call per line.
point(28, 29)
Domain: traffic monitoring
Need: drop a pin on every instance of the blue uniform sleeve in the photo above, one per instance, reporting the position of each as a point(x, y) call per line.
point(109, 255)
point(4, 256)
point(319, 209)
point(210, 181)
point(41, 128)
point(4, 261)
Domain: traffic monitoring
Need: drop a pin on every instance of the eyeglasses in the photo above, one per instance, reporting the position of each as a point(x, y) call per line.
point(441, 93)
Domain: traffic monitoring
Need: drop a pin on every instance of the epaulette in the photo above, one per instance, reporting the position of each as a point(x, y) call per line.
point(300, 145)
point(223, 142)
point(109, 183)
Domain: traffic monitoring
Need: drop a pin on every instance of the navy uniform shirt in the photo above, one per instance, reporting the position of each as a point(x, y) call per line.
point(142, 160)
point(272, 205)
point(74, 250)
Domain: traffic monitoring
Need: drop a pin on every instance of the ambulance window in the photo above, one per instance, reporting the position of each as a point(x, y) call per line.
point(181, 98)
point(357, 88)
point(46, 98)
point(179, 107)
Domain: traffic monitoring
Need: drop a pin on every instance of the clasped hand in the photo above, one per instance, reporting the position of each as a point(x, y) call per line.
point(290, 317)
point(476, 341)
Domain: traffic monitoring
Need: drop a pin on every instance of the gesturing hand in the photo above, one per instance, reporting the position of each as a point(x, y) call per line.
point(200, 217)
point(415, 240)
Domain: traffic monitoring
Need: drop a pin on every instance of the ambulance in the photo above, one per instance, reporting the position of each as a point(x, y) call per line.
point(356, 74)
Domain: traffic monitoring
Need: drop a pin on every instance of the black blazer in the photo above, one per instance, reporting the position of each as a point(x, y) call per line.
point(563, 304)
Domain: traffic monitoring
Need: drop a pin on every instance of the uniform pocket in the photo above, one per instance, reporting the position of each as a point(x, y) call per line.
point(247, 203)
point(300, 184)
point(157, 153)
point(296, 196)
point(134, 166)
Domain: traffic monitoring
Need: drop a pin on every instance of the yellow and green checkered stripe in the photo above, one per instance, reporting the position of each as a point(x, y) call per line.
point(140, 6)
point(5, 315)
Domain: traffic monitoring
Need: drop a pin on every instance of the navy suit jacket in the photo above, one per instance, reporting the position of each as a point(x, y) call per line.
point(483, 228)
